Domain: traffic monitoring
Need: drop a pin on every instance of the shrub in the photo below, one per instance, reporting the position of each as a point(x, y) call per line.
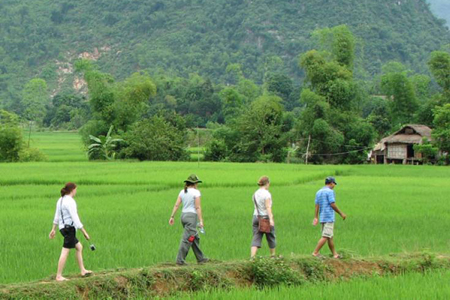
point(10, 143)
point(12, 148)
point(31, 154)
point(274, 271)
point(103, 147)
point(10, 137)
point(428, 151)
point(156, 139)
point(216, 150)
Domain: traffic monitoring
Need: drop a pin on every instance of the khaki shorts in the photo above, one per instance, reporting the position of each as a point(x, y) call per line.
point(327, 230)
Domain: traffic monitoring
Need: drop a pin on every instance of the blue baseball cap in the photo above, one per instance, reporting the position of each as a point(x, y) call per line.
point(329, 180)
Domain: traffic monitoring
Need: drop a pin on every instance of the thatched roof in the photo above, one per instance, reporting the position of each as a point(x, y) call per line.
point(422, 130)
point(402, 137)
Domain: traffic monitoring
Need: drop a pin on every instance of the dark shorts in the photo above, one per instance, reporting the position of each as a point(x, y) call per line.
point(70, 239)
point(257, 235)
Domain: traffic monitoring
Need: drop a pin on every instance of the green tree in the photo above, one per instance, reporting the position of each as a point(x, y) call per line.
point(10, 137)
point(281, 85)
point(260, 132)
point(425, 114)
point(316, 107)
point(34, 100)
point(156, 139)
point(216, 150)
point(439, 65)
point(339, 42)
point(422, 88)
point(249, 89)
point(441, 132)
point(428, 151)
point(399, 88)
point(328, 125)
point(232, 103)
point(234, 72)
point(200, 101)
point(329, 79)
point(101, 91)
point(67, 110)
point(132, 100)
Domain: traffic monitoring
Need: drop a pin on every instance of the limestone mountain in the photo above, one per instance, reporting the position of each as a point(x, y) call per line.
point(44, 37)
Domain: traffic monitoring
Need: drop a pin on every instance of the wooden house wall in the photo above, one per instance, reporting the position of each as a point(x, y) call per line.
point(396, 151)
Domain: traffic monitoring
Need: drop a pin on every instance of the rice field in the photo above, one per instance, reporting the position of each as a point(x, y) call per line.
point(61, 146)
point(58, 146)
point(433, 285)
point(125, 207)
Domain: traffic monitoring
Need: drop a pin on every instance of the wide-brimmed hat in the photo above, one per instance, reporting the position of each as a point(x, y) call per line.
point(193, 179)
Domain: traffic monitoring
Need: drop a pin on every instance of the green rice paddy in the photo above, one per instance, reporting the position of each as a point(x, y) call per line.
point(433, 285)
point(125, 207)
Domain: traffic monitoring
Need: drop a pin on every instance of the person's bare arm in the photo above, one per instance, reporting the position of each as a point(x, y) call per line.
point(52, 232)
point(269, 211)
point(336, 209)
point(198, 208)
point(55, 223)
point(316, 215)
point(73, 211)
point(174, 210)
point(86, 235)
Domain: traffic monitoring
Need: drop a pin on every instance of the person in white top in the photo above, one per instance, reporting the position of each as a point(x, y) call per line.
point(67, 220)
point(262, 201)
point(190, 215)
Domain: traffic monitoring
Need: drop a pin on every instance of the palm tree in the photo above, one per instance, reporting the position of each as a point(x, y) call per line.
point(103, 146)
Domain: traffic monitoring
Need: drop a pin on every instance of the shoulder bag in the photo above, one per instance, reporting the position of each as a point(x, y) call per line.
point(264, 223)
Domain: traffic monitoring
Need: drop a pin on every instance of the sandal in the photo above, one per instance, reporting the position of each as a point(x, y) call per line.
point(87, 274)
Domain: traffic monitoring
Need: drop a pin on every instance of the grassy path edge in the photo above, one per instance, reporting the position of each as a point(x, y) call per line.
point(169, 279)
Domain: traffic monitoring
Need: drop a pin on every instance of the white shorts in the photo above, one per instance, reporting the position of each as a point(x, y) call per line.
point(327, 230)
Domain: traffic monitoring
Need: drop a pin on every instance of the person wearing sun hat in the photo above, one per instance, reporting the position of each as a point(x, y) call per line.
point(190, 198)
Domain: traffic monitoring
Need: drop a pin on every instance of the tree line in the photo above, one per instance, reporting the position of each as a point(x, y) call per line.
point(330, 117)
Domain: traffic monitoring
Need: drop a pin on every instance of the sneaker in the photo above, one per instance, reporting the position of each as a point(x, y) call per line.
point(205, 260)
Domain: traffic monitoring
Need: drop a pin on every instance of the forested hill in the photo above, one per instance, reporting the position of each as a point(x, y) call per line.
point(39, 37)
point(441, 8)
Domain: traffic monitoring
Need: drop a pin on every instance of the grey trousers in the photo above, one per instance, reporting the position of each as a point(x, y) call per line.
point(189, 239)
point(257, 235)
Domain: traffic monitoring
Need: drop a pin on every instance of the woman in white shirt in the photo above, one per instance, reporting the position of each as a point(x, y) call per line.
point(66, 218)
point(191, 214)
point(262, 201)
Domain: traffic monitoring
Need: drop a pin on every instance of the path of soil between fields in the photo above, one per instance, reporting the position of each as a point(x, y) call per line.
point(168, 279)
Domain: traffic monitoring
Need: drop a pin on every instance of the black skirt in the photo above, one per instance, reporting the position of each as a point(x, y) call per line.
point(70, 239)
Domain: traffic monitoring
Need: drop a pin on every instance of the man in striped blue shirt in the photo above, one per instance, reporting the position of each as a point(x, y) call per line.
point(325, 207)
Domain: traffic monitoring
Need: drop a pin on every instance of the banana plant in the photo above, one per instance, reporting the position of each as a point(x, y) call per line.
point(103, 146)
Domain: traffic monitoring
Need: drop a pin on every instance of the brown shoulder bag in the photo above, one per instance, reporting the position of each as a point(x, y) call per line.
point(264, 223)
